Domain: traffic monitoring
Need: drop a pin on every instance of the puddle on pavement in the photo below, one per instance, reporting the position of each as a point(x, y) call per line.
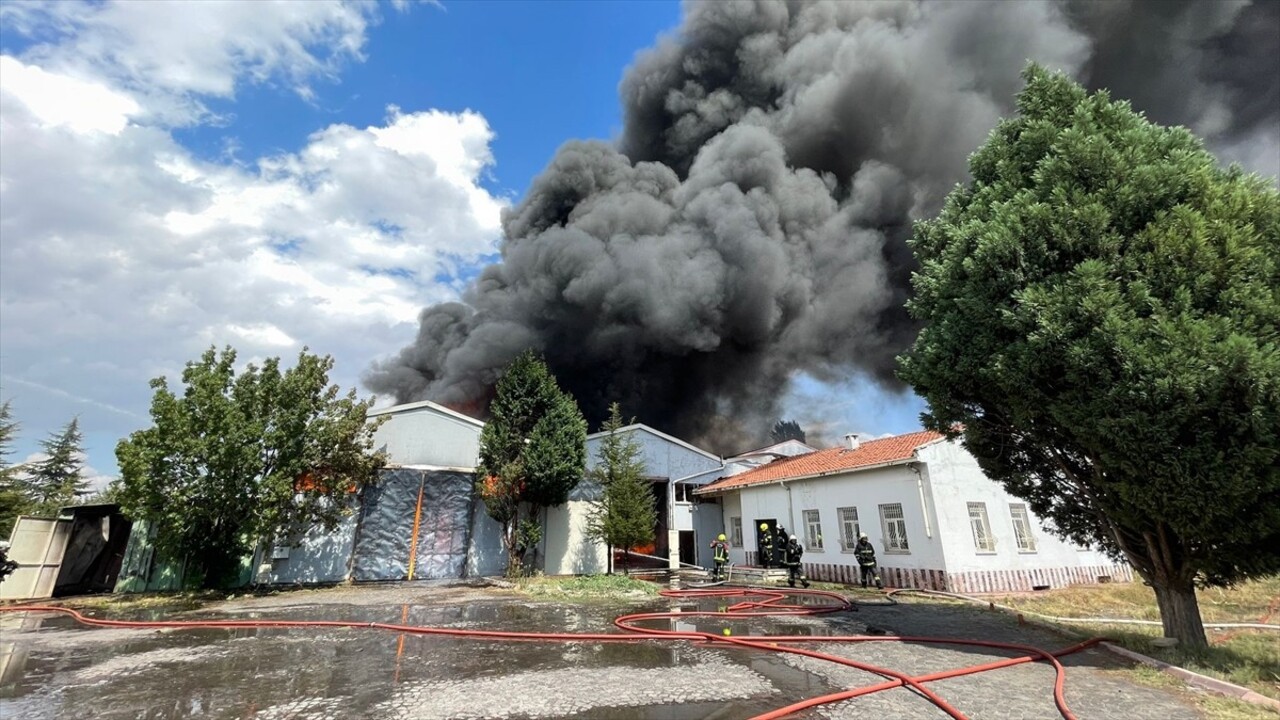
point(53, 669)
point(355, 673)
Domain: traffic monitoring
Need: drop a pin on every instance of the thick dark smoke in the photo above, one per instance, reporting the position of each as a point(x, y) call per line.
point(750, 222)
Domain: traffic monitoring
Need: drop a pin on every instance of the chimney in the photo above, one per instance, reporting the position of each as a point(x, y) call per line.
point(852, 440)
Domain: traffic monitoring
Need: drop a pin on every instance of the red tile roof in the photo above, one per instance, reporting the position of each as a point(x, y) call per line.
point(898, 448)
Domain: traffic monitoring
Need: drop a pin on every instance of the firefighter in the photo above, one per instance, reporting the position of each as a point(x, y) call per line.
point(720, 553)
point(795, 571)
point(766, 546)
point(780, 536)
point(867, 561)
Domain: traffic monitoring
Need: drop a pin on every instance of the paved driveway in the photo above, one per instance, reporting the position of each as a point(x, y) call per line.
point(52, 668)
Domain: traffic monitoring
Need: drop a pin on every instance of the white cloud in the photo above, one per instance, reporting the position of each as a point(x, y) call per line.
point(175, 51)
point(65, 101)
point(124, 255)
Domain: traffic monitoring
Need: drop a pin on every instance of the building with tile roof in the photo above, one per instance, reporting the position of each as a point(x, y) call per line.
point(935, 519)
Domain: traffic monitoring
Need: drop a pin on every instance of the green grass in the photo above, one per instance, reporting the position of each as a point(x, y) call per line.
point(1218, 708)
point(587, 586)
point(117, 602)
point(1246, 657)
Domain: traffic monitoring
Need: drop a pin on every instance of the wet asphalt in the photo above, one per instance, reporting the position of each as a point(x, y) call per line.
point(52, 668)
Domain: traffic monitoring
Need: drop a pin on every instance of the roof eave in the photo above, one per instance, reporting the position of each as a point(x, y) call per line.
point(810, 476)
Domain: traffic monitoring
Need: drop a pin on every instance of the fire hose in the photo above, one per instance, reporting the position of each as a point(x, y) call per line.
point(755, 602)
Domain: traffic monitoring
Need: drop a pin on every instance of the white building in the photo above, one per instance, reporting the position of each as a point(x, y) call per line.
point(935, 519)
point(686, 525)
point(420, 519)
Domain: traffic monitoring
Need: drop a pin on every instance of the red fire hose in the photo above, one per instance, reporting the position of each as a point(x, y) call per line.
point(757, 602)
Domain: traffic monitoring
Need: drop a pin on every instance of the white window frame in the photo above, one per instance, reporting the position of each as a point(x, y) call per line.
point(735, 532)
point(685, 491)
point(850, 527)
point(1025, 535)
point(980, 525)
point(812, 530)
point(895, 541)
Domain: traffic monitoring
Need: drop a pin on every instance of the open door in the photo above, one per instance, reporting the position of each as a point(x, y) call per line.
point(762, 553)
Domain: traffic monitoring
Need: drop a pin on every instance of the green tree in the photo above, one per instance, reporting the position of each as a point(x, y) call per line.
point(625, 514)
point(58, 479)
point(785, 430)
point(239, 460)
point(15, 498)
point(532, 449)
point(1101, 310)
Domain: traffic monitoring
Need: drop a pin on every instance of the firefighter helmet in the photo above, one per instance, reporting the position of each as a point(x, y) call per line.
point(793, 537)
point(764, 526)
point(720, 537)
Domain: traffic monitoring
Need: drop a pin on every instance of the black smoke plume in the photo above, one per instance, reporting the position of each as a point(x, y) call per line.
point(750, 222)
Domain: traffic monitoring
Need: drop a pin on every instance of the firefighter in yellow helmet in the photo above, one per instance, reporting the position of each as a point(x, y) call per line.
point(720, 553)
point(766, 546)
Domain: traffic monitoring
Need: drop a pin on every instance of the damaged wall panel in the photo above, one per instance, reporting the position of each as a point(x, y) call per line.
point(415, 524)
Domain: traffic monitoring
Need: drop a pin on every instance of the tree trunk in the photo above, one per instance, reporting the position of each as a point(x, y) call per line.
point(511, 540)
point(1180, 612)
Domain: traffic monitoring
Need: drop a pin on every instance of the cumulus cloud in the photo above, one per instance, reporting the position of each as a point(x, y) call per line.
point(124, 254)
point(175, 53)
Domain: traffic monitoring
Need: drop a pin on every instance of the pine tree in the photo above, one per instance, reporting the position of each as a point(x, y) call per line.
point(625, 515)
point(56, 480)
point(785, 430)
point(532, 450)
point(14, 497)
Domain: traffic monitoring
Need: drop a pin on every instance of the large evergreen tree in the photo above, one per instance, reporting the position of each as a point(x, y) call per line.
point(532, 449)
point(1101, 310)
point(15, 499)
point(237, 460)
point(625, 515)
point(785, 430)
point(58, 479)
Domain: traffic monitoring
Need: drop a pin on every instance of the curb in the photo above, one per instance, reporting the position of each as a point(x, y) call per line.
point(1213, 685)
point(1194, 679)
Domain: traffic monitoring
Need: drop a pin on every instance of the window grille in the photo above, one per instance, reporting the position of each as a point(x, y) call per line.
point(894, 525)
point(812, 530)
point(849, 529)
point(982, 539)
point(1022, 527)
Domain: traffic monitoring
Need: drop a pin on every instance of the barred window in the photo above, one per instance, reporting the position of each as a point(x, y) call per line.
point(1022, 527)
point(849, 530)
point(735, 531)
point(812, 530)
point(978, 522)
point(894, 525)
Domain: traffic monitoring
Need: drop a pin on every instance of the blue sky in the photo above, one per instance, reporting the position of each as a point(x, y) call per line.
point(540, 73)
point(177, 176)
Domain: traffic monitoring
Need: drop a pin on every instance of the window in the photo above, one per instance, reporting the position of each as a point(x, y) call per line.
point(812, 530)
point(1022, 527)
point(684, 492)
point(894, 526)
point(849, 529)
point(735, 531)
point(982, 539)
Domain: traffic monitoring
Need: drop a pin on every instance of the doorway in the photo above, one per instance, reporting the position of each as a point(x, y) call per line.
point(763, 554)
point(688, 548)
